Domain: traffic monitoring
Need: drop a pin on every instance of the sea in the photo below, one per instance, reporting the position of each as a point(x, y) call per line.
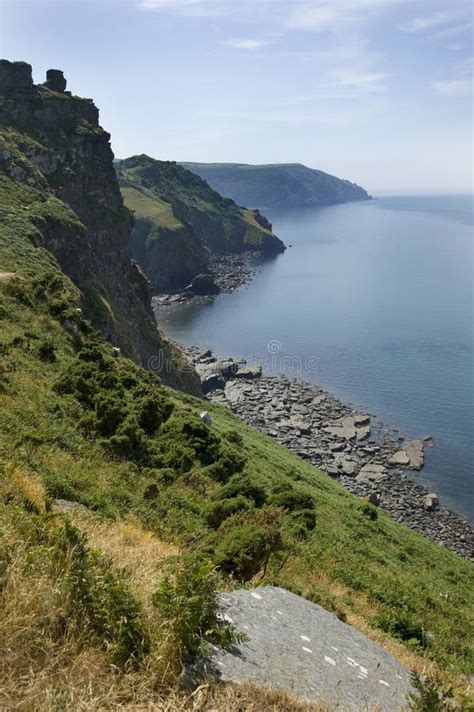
point(372, 301)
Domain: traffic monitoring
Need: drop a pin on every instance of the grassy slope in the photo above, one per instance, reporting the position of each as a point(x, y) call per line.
point(377, 573)
point(151, 207)
point(218, 221)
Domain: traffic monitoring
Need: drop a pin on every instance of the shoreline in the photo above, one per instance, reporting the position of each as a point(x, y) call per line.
point(230, 272)
point(360, 452)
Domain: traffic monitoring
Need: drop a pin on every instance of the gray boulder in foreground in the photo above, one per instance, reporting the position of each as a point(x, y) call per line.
point(297, 646)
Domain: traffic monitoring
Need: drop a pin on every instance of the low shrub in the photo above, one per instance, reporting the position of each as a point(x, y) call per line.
point(300, 523)
point(400, 624)
point(190, 432)
point(46, 350)
point(427, 697)
point(245, 542)
point(242, 485)
point(291, 499)
point(218, 511)
point(370, 511)
point(187, 607)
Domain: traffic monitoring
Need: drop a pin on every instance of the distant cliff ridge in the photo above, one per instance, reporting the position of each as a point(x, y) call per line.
point(277, 184)
point(180, 221)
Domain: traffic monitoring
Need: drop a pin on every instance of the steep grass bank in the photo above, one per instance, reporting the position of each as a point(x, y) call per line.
point(81, 425)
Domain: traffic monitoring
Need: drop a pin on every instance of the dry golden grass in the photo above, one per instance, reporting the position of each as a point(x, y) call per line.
point(129, 547)
point(249, 217)
point(27, 487)
point(150, 207)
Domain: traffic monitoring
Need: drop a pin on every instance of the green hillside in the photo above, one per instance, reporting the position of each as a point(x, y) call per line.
point(180, 220)
point(122, 513)
point(277, 185)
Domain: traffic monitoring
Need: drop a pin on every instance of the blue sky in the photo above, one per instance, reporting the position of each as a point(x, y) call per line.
point(375, 91)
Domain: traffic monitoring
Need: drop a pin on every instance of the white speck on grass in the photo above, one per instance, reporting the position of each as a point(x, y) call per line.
point(279, 613)
point(257, 596)
point(382, 682)
point(305, 638)
point(307, 650)
point(329, 660)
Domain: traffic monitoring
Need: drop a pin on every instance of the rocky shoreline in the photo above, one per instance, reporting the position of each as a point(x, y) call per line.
point(229, 272)
point(363, 455)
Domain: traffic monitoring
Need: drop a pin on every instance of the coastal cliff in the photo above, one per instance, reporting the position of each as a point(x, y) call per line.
point(278, 185)
point(180, 222)
point(58, 180)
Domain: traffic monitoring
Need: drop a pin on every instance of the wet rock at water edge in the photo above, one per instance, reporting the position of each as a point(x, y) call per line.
point(203, 285)
point(371, 473)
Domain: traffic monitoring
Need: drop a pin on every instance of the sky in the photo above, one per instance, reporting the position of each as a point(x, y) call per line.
point(376, 91)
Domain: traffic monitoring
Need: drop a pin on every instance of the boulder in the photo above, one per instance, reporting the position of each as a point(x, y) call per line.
point(371, 473)
point(414, 450)
point(211, 383)
point(203, 285)
point(206, 417)
point(399, 458)
point(360, 420)
point(374, 498)
point(250, 372)
point(430, 502)
point(347, 428)
point(295, 645)
point(347, 465)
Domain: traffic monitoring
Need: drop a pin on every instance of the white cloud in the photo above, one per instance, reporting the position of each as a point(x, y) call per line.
point(321, 16)
point(453, 87)
point(243, 43)
point(196, 8)
point(358, 79)
point(459, 84)
point(419, 24)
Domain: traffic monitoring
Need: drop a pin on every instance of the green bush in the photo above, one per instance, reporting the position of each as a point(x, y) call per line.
point(245, 542)
point(216, 512)
point(426, 696)
point(370, 511)
point(242, 485)
point(230, 462)
point(291, 499)
point(46, 350)
point(186, 603)
point(400, 624)
point(190, 432)
point(301, 522)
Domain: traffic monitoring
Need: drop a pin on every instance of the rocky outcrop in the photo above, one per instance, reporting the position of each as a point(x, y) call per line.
point(55, 80)
point(294, 645)
point(53, 143)
point(203, 285)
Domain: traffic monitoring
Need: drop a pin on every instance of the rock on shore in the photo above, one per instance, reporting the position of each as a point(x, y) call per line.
point(338, 440)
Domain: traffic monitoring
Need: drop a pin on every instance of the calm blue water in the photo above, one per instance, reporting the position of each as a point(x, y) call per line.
point(373, 302)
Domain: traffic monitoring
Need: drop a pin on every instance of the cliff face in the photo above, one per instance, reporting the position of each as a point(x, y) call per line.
point(277, 185)
point(53, 149)
point(180, 220)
